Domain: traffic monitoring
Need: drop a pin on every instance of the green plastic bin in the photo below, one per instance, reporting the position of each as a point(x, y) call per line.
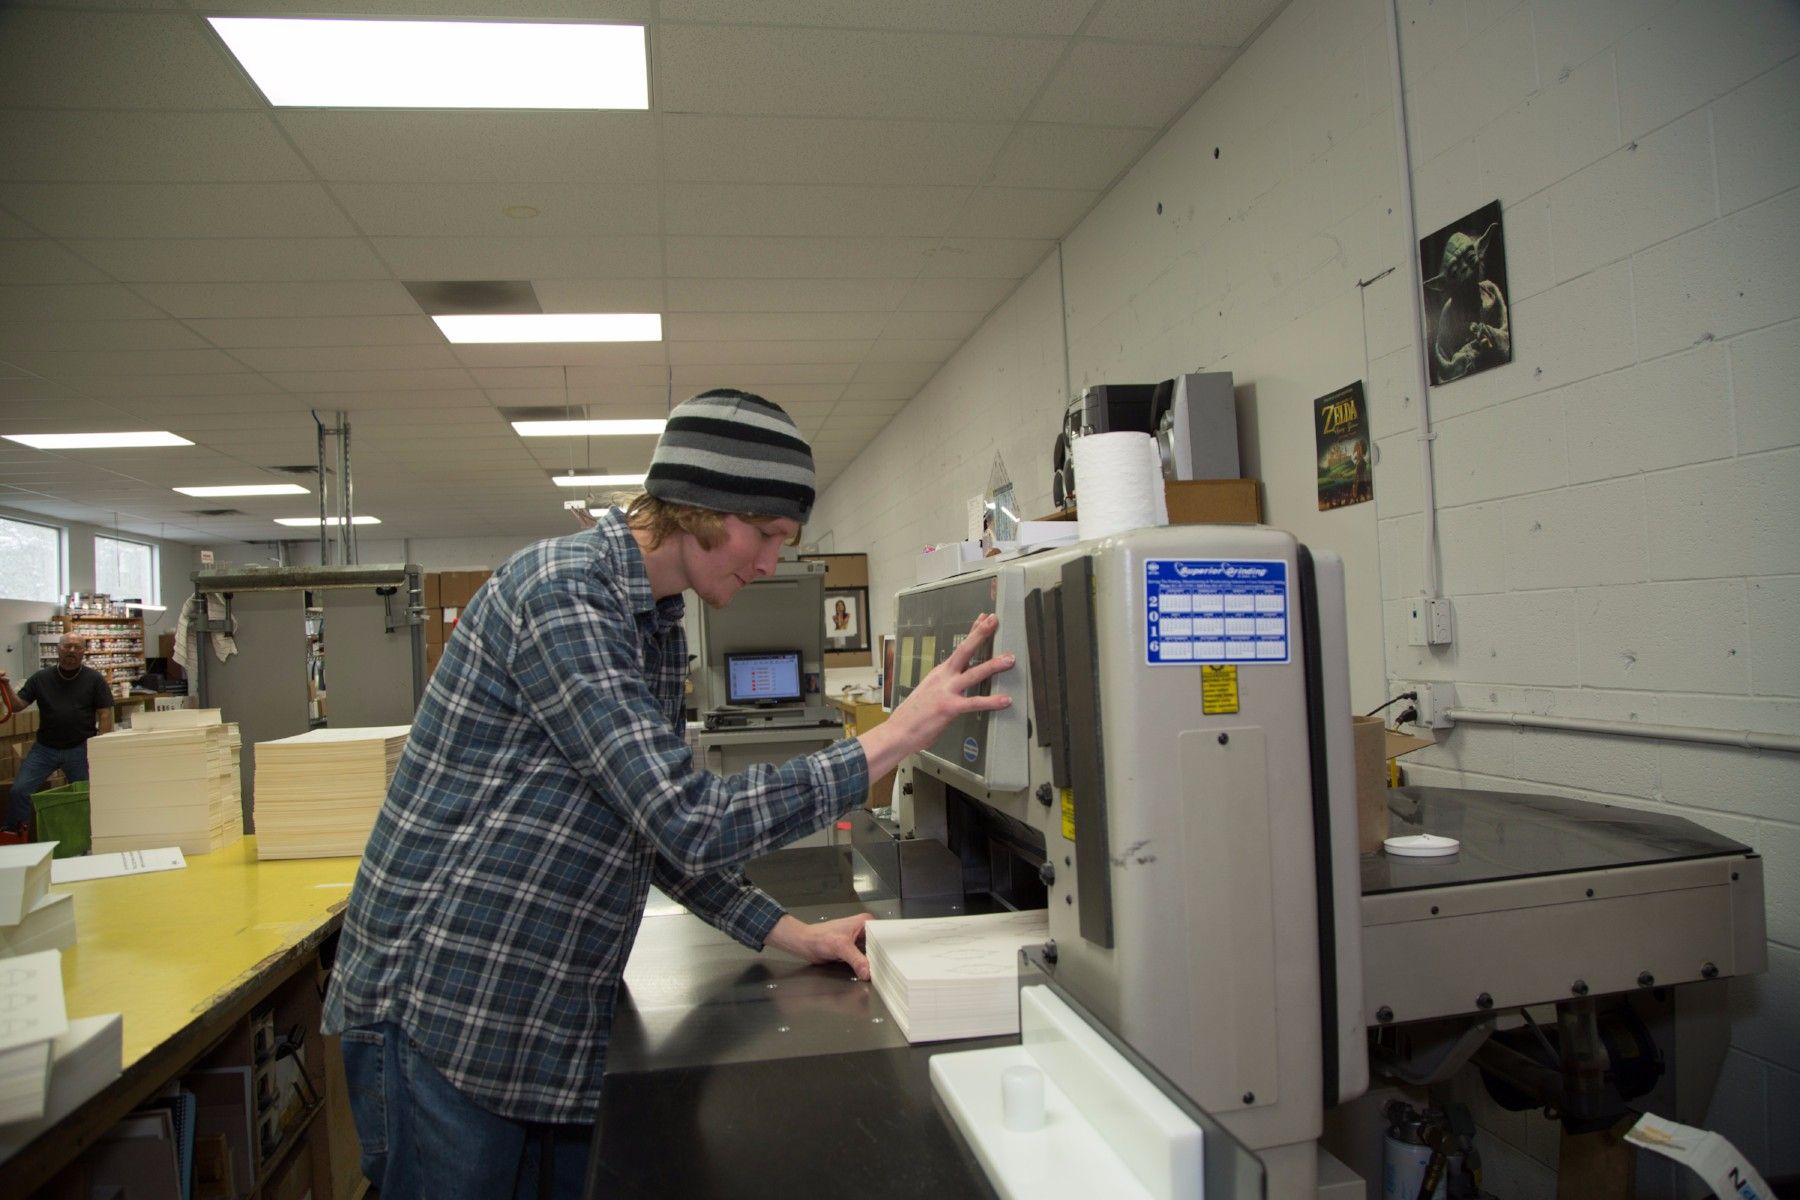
point(62, 817)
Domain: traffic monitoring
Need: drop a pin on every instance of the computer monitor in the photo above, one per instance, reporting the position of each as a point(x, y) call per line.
point(765, 677)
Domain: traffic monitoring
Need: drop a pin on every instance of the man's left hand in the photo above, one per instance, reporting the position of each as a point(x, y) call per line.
point(825, 942)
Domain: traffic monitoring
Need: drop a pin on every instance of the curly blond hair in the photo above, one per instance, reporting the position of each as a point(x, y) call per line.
point(663, 520)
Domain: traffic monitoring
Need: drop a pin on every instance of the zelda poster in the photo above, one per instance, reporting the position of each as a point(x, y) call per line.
point(1346, 472)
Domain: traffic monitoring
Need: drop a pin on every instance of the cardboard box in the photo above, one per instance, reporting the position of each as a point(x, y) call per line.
point(457, 588)
point(1214, 501)
point(434, 627)
point(433, 596)
point(433, 656)
point(23, 724)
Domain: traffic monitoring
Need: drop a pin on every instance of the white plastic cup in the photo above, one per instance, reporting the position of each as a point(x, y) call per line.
point(1022, 1099)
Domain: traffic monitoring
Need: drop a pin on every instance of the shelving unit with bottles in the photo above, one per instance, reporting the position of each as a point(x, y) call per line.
point(115, 645)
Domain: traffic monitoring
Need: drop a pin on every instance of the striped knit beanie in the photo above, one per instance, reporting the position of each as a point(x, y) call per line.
point(732, 452)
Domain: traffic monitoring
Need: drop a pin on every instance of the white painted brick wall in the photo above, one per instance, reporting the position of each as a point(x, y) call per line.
point(1617, 507)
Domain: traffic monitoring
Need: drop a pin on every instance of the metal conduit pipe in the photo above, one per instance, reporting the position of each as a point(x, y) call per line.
point(1745, 739)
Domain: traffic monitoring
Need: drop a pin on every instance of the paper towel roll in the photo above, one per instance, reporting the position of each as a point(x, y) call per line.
point(1118, 484)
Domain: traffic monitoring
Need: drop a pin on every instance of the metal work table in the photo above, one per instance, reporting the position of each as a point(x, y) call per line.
point(736, 1074)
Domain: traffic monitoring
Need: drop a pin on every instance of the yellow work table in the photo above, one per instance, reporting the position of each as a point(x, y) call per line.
point(185, 956)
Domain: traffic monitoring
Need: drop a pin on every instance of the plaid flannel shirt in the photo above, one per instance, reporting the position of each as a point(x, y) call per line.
point(544, 787)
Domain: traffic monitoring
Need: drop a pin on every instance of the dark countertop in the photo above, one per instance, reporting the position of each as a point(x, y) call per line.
point(1509, 835)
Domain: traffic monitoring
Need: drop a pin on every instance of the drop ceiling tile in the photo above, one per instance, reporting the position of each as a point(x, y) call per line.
point(1068, 156)
point(784, 295)
point(460, 417)
point(360, 401)
point(563, 210)
point(228, 333)
point(627, 11)
point(78, 364)
point(326, 383)
point(896, 374)
point(177, 210)
point(1165, 81)
point(984, 258)
point(143, 147)
point(796, 257)
point(708, 148)
point(41, 261)
point(22, 416)
point(74, 302)
point(599, 295)
point(849, 73)
point(116, 60)
point(273, 359)
point(231, 260)
point(580, 380)
point(761, 378)
point(1215, 23)
point(298, 298)
point(956, 326)
point(956, 295)
point(558, 354)
point(867, 393)
point(232, 383)
point(692, 327)
point(474, 147)
point(743, 210)
point(912, 350)
point(12, 227)
point(1022, 212)
point(697, 353)
point(521, 257)
point(1057, 18)
point(19, 337)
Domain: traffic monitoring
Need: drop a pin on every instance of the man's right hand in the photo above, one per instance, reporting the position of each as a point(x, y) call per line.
point(940, 698)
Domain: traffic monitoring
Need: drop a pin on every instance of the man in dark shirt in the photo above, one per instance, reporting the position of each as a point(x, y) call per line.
point(74, 704)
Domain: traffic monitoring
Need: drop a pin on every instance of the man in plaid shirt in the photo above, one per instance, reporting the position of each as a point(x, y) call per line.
point(546, 786)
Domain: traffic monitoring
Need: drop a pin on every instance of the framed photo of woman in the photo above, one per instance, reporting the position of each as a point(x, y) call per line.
point(846, 619)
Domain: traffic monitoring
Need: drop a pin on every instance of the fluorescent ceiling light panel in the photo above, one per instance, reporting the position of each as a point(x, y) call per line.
point(644, 428)
point(597, 480)
point(486, 329)
point(314, 522)
point(96, 441)
point(246, 489)
point(328, 63)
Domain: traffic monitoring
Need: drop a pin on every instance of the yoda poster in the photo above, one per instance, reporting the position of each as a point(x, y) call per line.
point(1466, 306)
point(1346, 474)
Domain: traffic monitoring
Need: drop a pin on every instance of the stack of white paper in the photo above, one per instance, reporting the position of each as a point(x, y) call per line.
point(171, 780)
point(32, 918)
point(952, 977)
point(317, 794)
point(31, 1001)
point(24, 878)
point(82, 1061)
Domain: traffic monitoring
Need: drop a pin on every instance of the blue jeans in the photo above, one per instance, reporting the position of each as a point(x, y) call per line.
point(422, 1139)
point(35, 771)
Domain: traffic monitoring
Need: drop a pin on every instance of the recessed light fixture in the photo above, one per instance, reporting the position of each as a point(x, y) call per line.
point(597, 480)
point(306, 62)
point(314, 522)
point(246, 489)
point(485, 329)
point(96, 441)
point(649, 427)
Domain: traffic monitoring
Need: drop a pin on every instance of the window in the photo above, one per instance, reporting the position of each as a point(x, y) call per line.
point(31, 561)
point(125, 570)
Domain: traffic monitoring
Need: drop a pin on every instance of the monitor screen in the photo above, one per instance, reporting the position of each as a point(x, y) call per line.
point(767, 677)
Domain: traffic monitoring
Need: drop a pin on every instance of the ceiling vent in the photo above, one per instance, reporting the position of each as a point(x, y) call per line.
point(458, 297)
point(302, 469)
point(216, 512)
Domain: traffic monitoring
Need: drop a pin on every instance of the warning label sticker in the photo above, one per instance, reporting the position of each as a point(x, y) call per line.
point(1218, 690)
point(1203, 610)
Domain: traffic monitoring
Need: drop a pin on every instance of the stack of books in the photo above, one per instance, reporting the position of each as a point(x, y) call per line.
point(82, 1061)
point(32, 917)
point(317, 794)
point(952, 977)
point(170, 780)
point(31, 996)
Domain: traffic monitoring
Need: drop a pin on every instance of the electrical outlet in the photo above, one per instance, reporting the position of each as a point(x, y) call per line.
point(1428, 623)
point(1434, 704)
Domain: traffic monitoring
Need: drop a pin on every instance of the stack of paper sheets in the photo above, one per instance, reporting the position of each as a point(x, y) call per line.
point(32, 918)
point(31, 997)
point(170, 780)
point(82, 1061)
point(317, 794)
point(952, 977)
